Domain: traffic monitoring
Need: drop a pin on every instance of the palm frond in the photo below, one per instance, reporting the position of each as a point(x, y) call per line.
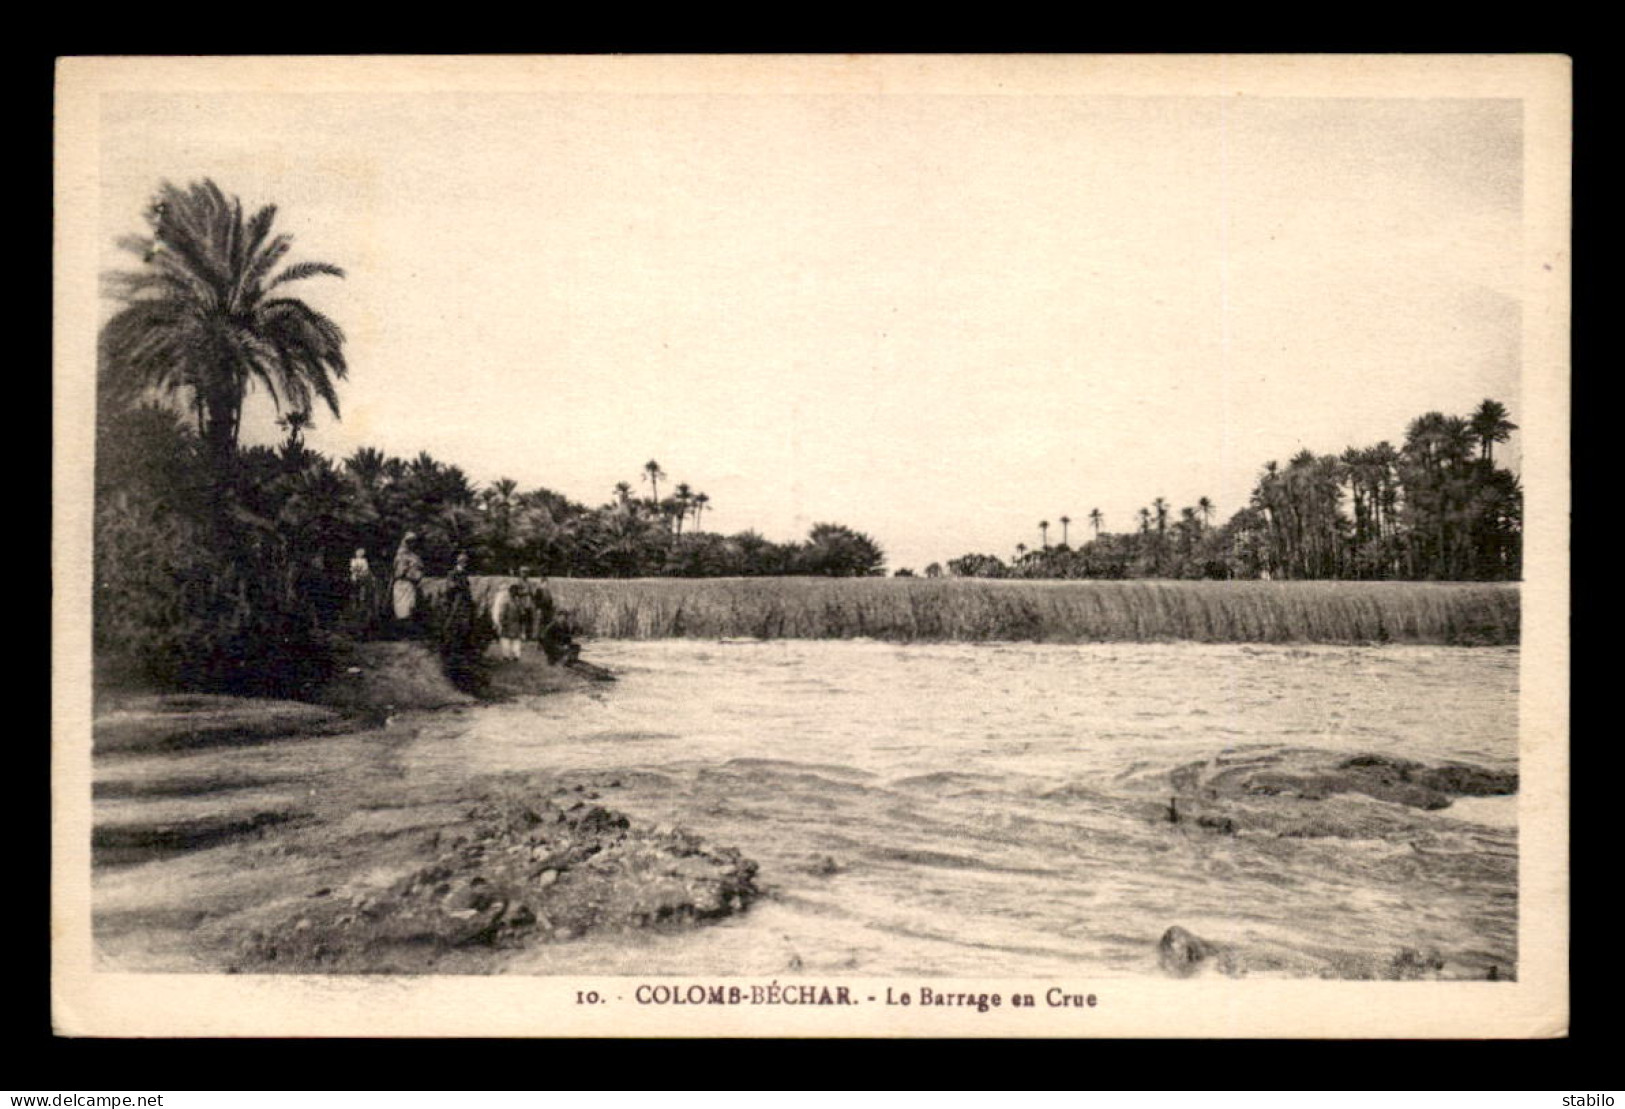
point(265, 261)
point(322, 385)
point(187, 226)
point(301, 270)
point(292, 317)
point(124, 285)
point(139, 245)
point(264, 360)
point(309, 347)
point(259, 226)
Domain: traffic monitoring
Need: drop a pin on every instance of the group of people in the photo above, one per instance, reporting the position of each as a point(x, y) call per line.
point(525, 610)
point(522, 610)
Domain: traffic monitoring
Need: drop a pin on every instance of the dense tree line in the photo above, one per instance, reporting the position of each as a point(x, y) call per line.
point(1435, 509)
point(370, 500)
point(212, 558)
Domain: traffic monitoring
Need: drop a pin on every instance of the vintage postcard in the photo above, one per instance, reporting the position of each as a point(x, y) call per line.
point(885, 546)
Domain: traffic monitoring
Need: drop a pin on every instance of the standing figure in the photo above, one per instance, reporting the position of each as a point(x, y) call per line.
point(457, 623)
point(314, 590)
point(363, 592)
point(514, 616)
point(408, 574)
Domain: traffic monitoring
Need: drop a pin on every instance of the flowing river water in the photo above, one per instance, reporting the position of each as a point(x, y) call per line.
point(963, 810)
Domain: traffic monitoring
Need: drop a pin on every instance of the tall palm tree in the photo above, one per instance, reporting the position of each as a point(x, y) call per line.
point(1204, 507)
point(1424, 439)
point(1043, 533)
point(1458, 443)
point(685, 501)
point(1065, 520)
point(1268, 499)
point(1384, 459)
point(701, 502)
point(623, 492)
point(200, 318)
point(1187, 529)
point(1096, 518)
point(653, 473)
point(1491, 425)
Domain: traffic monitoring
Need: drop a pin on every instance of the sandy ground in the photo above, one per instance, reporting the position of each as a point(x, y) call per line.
point(261, 836)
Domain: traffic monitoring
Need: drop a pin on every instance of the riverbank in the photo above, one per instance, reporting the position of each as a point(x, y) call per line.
point(251, 835)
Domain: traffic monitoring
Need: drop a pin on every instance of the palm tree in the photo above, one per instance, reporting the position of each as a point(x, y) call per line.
point(1424, 439)
point(1021, 551)
point(685, 500)
point(623, 492)
point(504, 494)
point(653, 473)
point(1458, 442)
point(537, 532)
point(1065, 520)
point(1160, 507)
point(626, 541)
point(200, 319)
point(1043, 532)
point(295, 423)
point(1186, 530)
point(701, 503)
point(366, 465)
point(1491, 425)
point(1096, 518)
point(1384, 459)
point(1204, 507)
point(1268, 499)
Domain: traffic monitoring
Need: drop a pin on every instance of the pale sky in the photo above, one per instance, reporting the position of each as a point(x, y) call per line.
point(938, 319)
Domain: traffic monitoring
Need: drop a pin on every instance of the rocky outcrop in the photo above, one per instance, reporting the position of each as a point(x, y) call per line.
point(1290, 797)
point(1182, 954)
point(520, 870)
point(1303, 792)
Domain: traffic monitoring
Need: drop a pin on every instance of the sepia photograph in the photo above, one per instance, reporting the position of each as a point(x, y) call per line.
point(899, 545)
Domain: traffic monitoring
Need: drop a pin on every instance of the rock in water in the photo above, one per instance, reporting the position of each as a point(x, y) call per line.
point(1180, 953)
point(1311, 793)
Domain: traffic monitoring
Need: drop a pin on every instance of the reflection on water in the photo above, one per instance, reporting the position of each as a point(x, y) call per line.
point(968, 810)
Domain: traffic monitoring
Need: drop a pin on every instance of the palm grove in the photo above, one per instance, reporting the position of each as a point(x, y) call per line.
point(1437, 508)
point(211, 558)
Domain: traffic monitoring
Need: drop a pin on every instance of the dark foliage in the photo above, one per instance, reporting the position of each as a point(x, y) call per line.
point(1437, 509)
